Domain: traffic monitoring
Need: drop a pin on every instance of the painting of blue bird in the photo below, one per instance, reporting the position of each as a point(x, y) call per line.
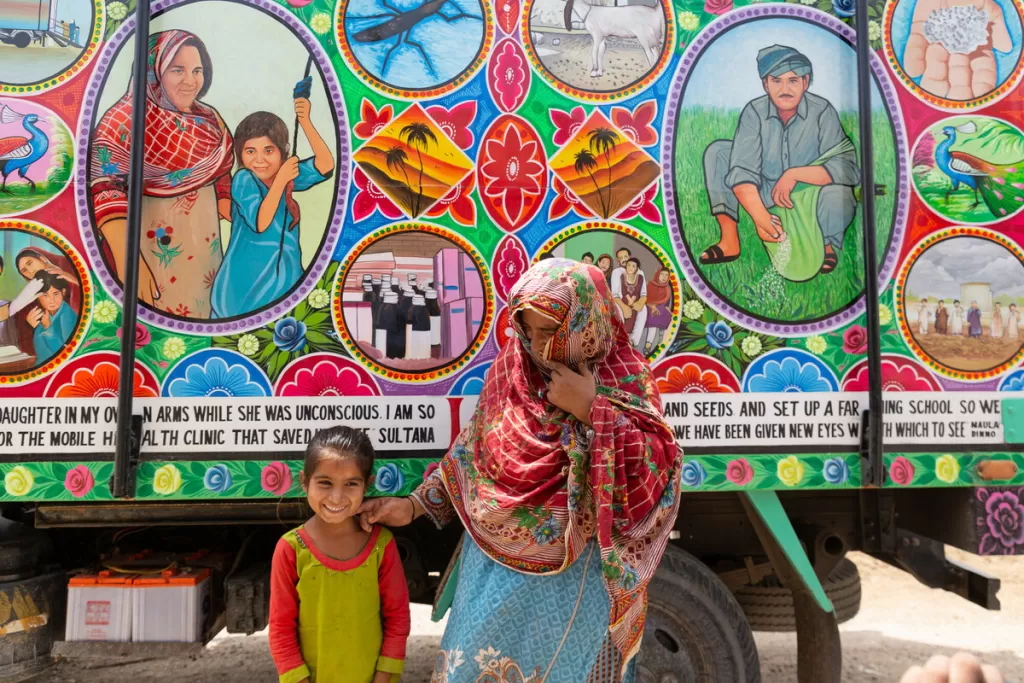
point(19, 153)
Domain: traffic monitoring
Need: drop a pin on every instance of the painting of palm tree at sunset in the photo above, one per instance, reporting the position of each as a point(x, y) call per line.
point(413, 162)
point(603, 167)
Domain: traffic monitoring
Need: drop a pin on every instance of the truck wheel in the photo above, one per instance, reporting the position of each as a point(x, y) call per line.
point(22, 39)
point(769, 606)
point(695, 629)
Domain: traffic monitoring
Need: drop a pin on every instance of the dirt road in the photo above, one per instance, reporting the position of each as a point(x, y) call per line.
point(901, 622)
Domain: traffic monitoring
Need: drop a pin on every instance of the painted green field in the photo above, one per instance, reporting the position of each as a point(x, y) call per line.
point(751, 282)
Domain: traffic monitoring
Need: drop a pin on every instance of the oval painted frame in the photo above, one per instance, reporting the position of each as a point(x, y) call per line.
point(343, 171)
point(903, 324)
point(68, 251)
point(437, 374)
point(674, 99)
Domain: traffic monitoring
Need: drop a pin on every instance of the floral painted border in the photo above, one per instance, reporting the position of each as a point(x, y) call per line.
point(276, 479)
point(212, 479)
point(56, 481)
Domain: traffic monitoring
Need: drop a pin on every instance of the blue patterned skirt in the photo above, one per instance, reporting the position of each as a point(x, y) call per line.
point(510, 627)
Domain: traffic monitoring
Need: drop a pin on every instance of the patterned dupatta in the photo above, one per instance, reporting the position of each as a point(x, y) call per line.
point(184, 150)
point(533, 486)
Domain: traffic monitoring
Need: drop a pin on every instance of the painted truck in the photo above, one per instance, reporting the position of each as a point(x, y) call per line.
point(23, 22)
point(815, 240)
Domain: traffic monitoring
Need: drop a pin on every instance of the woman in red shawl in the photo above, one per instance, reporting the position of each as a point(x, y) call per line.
point(566, 482)
point(187, 182)
point(659, 305)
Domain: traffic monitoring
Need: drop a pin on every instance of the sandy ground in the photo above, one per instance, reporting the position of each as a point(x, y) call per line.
point(570, 61)
point(34, 63)
point(901, 622)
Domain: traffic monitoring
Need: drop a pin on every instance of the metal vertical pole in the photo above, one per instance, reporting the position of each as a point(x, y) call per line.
point(873, 471)
point(127, 440)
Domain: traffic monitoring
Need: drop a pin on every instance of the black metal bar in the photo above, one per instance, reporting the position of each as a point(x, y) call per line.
point(127, 440)
point(873, 470)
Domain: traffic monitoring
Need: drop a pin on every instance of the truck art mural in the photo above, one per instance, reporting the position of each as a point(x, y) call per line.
point(346, 221)
point(339, 195)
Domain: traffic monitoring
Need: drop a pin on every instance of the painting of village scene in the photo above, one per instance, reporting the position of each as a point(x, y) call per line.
point(963, 303)
point(39, 39)
point(598, 45)
point(413, 302)
point(413, 161)
point(641, 284)
point(970, 169)
point(604, 168)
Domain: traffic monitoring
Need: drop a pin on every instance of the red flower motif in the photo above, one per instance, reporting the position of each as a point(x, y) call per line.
point(373, 121)
point(901, 471)
point(717, 7)
point(458, 203)
point(369, 198)
point(325, 375)
point(739, 472)
point(455, 122)
point(503, 328)
point(431, 468)
point(510, 262)
point(512, 175)
point(690, 379)
point(508, 79)
point(637, 124)
point(142, 336)
point(566, 201)
point(855, 340)
point(898, 374)
point(88, 377)
point(643, 206)
point(567, 123)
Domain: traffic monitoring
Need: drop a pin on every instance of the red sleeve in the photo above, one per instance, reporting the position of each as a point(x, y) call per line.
point(284, 613)
point(394, 606)
point(222, 186)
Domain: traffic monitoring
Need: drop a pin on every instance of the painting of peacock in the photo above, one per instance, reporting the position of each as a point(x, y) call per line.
point(999, 186)
point(18, 153)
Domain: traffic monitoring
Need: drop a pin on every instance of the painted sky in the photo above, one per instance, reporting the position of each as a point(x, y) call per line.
point(941, 270)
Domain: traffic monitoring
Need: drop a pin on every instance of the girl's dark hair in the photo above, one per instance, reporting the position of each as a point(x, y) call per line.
point(258, 125)
point(634, 259)
point(340, 442)
point(956, 301)
point(50, 280)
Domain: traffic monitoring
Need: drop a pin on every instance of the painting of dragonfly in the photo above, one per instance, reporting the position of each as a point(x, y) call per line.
point(415, 44)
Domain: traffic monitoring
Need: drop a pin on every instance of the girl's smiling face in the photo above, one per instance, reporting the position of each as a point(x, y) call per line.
point(336, 489)
point(262, 157)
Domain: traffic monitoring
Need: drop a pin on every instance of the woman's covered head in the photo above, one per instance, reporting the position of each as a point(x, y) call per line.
point(604, 262)
point(261, 144)
point(561, 312)
point(337, 470)
point(29, 262)
point(180, 70)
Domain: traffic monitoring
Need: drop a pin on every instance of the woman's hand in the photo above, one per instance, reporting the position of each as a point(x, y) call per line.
point(382, 677)
point(573, 392)
point(302, 109)
point(388, 511)
point(59, 272)
point(148, 291)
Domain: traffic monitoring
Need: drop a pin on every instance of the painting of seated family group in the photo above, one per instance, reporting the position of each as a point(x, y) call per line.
point(756, 282)
point(188, 231)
